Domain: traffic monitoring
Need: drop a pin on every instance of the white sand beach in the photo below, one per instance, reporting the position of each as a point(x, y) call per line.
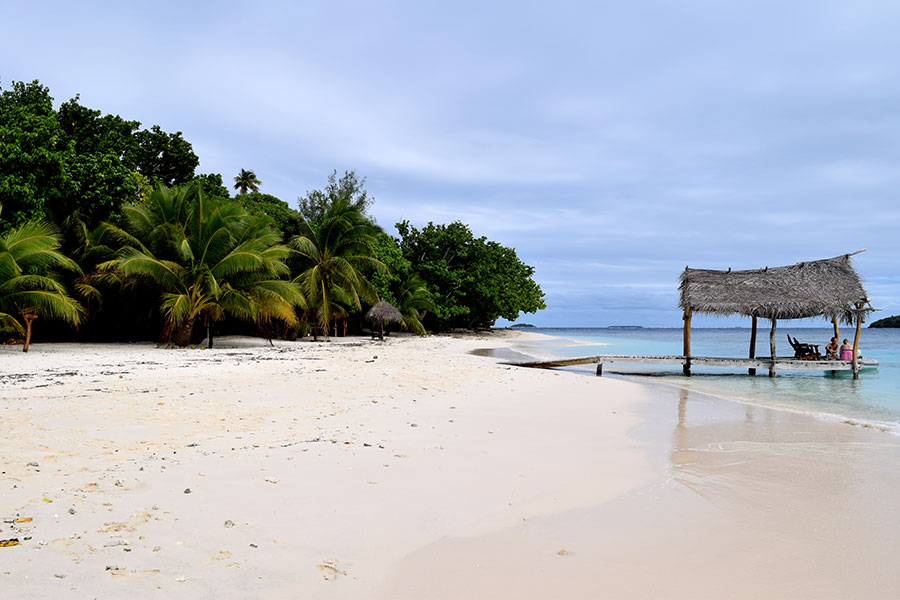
point(412, 469)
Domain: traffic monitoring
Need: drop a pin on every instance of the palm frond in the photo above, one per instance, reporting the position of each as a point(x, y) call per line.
point(10, 323)
point(52, 305)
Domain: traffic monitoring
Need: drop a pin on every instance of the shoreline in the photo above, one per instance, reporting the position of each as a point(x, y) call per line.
point(770, 401)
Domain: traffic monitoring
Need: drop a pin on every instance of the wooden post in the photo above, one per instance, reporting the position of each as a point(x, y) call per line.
point(686, 368)
point(772, 348)
point(856, 343)
point(599, 369)
point(837, 333)
point(752, 371)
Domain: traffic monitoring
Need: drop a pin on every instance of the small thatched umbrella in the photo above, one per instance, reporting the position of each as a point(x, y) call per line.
point(381, 314)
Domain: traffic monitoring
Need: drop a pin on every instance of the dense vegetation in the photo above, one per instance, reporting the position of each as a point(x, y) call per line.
point(886, 322)
point(107, 230)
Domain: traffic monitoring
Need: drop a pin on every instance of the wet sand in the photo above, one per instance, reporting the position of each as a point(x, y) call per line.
point(749, 502)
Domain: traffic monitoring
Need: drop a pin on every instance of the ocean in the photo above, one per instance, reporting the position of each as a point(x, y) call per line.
point(872, 400)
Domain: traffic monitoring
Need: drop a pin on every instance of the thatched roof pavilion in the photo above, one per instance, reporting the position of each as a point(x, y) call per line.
point(829, 288)
point(382, 314)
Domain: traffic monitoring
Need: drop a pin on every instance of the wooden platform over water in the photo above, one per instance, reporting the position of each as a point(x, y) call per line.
point(763, 362)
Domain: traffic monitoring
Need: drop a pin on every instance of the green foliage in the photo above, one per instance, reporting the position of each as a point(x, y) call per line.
point(207, 258)
point(473, 281)
point(212, 185)
point(335, 252)
point(399, 285)
point(349, 191)
point(387, 282)
point(414, 301)
point(286, 219)
point(88, 131)
point(28, 255)
point(886, 322)
point(76, 161)
point(246, 181)
point(32, 165)
point(164, 158)
point(96, 187)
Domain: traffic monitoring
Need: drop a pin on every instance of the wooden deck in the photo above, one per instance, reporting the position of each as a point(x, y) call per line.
point(763, 362)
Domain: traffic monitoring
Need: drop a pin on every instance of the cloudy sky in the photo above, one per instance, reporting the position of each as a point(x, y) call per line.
point(610, 143)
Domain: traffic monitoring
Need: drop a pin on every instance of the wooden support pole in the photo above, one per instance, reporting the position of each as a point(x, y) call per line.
point(753, 345)
point(837, 333)
point(856, 343)
point(686, 368)
point(599, 369)
point(772, 348)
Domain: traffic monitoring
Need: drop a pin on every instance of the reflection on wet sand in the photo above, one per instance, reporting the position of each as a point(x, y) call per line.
point(506, 354)
point(751, 503)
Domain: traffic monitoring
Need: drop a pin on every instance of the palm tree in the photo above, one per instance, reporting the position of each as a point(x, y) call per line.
point(25, 253)
point(89, 247)
point(246, 180)
point(335, 250)
point(208, 259)
point(413, 301)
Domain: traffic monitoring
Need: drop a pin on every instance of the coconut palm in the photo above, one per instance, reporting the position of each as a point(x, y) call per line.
point(208, 259)
point(413, 301)
point(27, 288)
point(246, 181)
point(334, 251)
point(89, 247)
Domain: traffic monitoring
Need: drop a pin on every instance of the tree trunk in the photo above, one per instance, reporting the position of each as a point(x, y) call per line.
point(209, 334)
point(181, 336)
point(28, 317)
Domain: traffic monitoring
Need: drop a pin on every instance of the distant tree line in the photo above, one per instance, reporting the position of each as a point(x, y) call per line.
point(886, 322)
point(106, 227)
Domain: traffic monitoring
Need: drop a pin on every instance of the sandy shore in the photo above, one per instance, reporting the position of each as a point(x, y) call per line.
point(301, 469)
point(413, 469)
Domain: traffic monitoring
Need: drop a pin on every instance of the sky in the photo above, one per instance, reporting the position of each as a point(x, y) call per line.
point(610, 143)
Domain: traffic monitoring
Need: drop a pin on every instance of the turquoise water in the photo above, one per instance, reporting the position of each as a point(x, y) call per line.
point(873, 399)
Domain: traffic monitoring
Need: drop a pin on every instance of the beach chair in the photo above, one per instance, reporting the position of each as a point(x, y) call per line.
point(804, 351)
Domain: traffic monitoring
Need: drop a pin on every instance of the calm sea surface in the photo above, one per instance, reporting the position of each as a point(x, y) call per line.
point(872, 399)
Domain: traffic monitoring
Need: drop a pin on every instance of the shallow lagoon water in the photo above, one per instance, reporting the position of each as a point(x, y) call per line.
point(873, 399)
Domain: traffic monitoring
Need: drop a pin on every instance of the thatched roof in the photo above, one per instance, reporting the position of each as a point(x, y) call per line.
point(819, 288)
point(383, 312)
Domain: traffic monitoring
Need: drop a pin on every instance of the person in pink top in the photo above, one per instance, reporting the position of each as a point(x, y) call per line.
point(846, 350)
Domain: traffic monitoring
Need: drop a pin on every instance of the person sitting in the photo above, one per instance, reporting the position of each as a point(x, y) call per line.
point(846, 350)
point(831, 350)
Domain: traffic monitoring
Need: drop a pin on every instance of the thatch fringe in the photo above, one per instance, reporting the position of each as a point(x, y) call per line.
point(821, 288)
point(383, 313)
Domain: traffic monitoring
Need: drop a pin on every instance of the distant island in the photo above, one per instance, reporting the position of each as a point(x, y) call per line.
point(521, 325)
point(886, 322)
point(624, 327)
